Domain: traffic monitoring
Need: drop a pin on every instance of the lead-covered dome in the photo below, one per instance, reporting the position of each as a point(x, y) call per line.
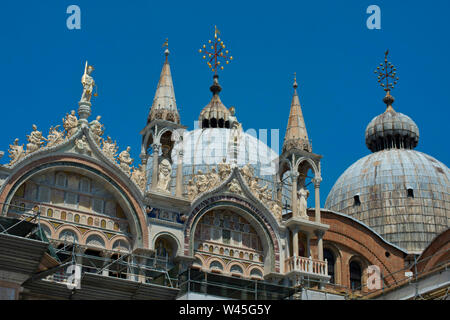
point(391, 129)
point(401, 193)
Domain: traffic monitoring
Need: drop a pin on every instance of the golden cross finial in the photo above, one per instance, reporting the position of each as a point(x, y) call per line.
point(217, 51)
point(387, 71)
point(166, 43)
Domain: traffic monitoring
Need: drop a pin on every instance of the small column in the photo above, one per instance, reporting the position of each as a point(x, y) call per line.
point(156, 147)
point(295, 242)
point(179, 187)
point(308, 247)
point(317, 182)
point(319, 234)
point(294, 176)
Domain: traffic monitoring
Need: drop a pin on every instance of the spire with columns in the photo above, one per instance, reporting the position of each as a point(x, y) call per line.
point(164, 105)
point(296, 135)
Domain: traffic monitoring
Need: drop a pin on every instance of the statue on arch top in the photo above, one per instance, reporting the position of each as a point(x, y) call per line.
point(70, 123)
point(16, 152)
point(35, 139)
point(88, 83)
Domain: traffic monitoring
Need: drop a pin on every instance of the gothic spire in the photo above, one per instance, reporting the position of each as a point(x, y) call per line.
point(296, 135)
point(164, 105)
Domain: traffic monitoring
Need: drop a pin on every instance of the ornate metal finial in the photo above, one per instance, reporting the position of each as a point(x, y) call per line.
point(387, 78)
point(217, 51)
point(295, 80)
point(166, 44)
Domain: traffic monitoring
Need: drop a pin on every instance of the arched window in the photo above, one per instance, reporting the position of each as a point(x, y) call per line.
point(236, 269)
point(103, 224)
point(355, 275)
point(63, 215)
point(216, 265)
point(256, 273)
point(84, 185)
point(68, 235)
point(331, 260)
point(49, 213)
point(61, 180)
point(95, 241)
point(77, 218)
point(90, 221)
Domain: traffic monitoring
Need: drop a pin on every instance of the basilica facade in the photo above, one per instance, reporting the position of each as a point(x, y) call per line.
point(217, 203)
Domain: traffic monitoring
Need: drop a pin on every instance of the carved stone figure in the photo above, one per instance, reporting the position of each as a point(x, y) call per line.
point(55, 136)
point(234, 124)
point(110, 148)
point(139, 177)
point(192, 190)
point(213, 178)
point(234, 187)
point(276, 210)
point(125, 161)
point(202, 182)
point(302, 202)
point(88, 83)
point(35, 139)
point(254, 187)
point(16, 152)
point(224, 169)
point(164, 175)
point(82, 145)
point(97, 129)
point(247, 173)
point(70, 123)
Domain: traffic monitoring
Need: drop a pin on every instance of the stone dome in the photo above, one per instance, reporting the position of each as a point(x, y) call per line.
point(391, 129)
point(401, 193)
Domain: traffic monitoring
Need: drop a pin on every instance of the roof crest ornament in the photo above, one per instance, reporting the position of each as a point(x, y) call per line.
point(387, 78)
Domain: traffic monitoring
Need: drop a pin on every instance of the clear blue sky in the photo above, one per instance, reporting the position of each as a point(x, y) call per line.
point(326, 42)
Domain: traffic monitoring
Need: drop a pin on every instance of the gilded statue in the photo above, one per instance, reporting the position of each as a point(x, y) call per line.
point(138, 176)
point(125, 161)
point(35, 139)
point(55, 136)
point(110, 148)
point(97, 129)
point(88, 83)
point(16, 152)
point(70, 123)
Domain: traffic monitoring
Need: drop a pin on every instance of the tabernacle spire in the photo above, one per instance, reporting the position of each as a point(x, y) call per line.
point(296, 135)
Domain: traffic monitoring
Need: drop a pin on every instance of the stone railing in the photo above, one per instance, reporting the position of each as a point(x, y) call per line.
point(307, 266)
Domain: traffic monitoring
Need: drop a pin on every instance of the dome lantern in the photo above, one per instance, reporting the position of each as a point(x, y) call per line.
point(391, 129)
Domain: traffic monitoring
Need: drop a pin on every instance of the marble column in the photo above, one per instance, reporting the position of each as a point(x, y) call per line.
point(317, 182)
point(179, 181)
point(294, 176)
point(156, 147)
point(295, 242)
point(308, 247)
point(319, 234)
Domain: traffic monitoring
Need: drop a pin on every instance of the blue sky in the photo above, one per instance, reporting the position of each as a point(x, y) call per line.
point(326, 42)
